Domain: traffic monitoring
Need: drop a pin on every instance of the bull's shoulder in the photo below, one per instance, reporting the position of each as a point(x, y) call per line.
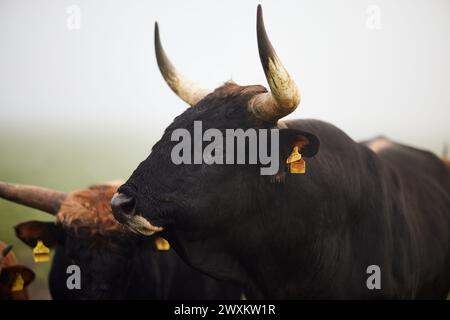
point(419, 172)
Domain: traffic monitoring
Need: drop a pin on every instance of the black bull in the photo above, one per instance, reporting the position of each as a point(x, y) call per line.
point(312, 235)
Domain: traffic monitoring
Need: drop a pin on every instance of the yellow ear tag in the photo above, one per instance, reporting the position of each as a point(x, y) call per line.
point(295, 162)
point(18, 283)
point(41, 253)
point(162, 244)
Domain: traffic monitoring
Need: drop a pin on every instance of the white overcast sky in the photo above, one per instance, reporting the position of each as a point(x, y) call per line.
point(393, 81)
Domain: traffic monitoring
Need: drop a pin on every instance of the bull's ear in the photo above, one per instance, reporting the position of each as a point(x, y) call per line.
point(9, 275)
point(307, 143)
point(31, 231)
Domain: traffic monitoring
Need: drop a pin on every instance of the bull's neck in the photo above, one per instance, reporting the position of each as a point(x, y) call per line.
point(306, 225)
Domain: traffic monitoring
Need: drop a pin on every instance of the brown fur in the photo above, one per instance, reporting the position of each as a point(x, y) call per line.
point(10, 261)
point(90, 210)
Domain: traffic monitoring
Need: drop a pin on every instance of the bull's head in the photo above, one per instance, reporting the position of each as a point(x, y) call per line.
point(207, 209)
point(84, 234)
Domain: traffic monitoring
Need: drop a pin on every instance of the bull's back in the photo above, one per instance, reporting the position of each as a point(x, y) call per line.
point(418, 184)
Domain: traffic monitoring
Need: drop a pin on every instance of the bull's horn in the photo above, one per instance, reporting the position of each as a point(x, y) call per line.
point(187, 90)
point(35, 197)
point(6, 250)
point(284, 96)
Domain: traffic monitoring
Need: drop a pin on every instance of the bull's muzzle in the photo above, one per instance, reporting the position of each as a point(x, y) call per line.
point(124, 210)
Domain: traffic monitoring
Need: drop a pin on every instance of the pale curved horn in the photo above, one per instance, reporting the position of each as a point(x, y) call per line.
point(35, 197)
point(187, 90)
point(284, 96)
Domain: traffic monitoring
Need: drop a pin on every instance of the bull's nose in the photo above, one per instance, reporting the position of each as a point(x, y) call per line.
point(123, 205)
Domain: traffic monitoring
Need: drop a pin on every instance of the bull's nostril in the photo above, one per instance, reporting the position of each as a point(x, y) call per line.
point(122, 204)
point(129, 207)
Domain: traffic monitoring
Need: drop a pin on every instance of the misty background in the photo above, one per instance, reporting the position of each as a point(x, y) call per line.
point(82, 100)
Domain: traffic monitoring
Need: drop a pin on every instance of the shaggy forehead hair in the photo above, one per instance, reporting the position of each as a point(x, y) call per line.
point(10, 259)
point(231, 89)
point(90, 210)
point(228, 92)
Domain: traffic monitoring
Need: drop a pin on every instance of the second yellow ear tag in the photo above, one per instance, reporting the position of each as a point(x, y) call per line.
point(41, 253)
point(295, 162)
point(18, 283)
point(162, 244)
